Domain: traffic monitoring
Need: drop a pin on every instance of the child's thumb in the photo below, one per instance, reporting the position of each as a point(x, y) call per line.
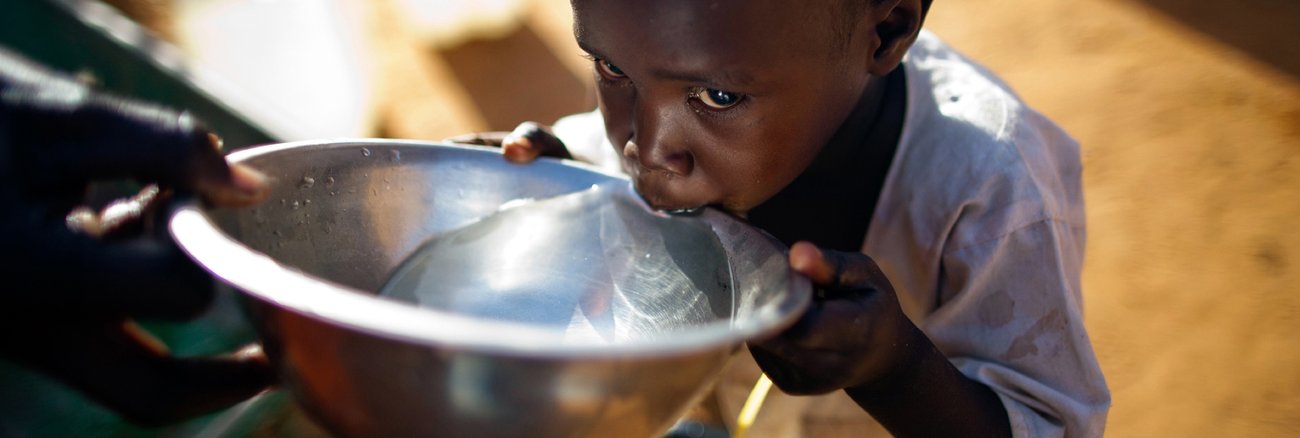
point(807, 259)
point(531, 140)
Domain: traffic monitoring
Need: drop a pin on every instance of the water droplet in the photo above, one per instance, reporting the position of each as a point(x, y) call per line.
point(283, 202)
point(307, 202)
point(306, 182)
point(394, 155)
point(276, 233)
point(333, 193)
point(295, 205)
point(329, 181)
point(365, 152)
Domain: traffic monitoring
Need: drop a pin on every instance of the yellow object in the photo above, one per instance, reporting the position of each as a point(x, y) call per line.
point(750, 411)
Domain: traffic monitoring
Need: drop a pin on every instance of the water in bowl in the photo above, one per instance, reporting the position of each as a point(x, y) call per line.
point(596, 265)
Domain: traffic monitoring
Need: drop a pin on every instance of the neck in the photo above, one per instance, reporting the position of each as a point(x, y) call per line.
point(831, 202)
point(844, 150)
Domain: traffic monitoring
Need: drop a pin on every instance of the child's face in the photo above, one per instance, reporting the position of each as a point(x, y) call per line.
point(718, 102)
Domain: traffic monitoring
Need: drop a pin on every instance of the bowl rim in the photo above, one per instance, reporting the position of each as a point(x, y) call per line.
point(259, 276)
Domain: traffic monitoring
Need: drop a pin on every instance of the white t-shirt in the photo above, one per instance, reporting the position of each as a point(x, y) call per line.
point(980, 229)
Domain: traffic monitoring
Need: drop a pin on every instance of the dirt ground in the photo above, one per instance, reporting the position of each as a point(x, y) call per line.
point(1188, 113)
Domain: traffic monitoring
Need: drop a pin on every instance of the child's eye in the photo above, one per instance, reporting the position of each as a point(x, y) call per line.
point(715, 98)
point(609, 70)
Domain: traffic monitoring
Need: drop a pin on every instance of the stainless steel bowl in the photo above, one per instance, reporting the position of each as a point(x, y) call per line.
point(342, 216)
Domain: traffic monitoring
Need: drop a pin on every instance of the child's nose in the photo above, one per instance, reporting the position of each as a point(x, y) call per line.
point(653, 144)
point(656, 158)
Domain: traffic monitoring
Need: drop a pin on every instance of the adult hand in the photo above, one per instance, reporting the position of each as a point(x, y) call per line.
point(74, 279)
point(854, 333)
point(528, 141)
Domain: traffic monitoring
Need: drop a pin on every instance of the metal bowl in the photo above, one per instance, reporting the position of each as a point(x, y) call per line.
point(343, 215)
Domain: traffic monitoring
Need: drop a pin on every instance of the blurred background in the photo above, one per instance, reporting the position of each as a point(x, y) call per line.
point(1188, 112)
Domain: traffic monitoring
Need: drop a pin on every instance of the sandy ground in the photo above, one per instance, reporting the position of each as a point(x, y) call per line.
point(1191, 150)
point(1189, 116)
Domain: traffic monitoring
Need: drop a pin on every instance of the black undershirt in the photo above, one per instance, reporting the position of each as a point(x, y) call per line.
point(844, 188)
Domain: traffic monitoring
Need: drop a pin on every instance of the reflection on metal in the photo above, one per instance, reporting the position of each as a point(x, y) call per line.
point(369, 366)
point(593, 267)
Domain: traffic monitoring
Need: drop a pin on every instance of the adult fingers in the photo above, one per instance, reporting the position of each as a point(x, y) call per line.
point(67, 143)
point(116, 364)
point(245, 186)
point(530, 140)
point(53, 268)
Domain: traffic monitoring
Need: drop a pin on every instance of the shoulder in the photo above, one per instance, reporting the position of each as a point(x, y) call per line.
point(972, 150)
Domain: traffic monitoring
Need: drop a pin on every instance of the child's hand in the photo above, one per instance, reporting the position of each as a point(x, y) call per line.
point(854, 333)
point(74, 278)
point(523, 145)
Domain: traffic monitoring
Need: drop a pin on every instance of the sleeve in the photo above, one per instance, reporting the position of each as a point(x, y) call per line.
point(1011, 317)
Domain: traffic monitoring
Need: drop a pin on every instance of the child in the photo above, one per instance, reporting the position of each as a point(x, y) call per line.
point(842, 126)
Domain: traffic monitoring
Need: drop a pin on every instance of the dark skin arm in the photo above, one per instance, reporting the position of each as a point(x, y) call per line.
point(855, 337)
point(77, 278)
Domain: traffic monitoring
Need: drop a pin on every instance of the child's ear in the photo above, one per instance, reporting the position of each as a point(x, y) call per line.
point(898, 22)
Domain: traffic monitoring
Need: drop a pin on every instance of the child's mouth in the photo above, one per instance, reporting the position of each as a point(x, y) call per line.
point(658, 203)
point(685, 211)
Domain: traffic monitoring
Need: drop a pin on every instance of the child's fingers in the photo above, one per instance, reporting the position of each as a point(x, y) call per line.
point(519, 149)
point(799, 371)
point(490, 138)
point(829, 325)
point(807, 259)
point(530, 140)
point(836, 270)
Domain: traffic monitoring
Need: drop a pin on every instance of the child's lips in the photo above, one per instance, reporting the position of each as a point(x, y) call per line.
point(661, 198)
point(667, 191)
point(662, 204)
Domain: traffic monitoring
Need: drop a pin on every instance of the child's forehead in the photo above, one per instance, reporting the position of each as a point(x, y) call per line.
point(721, 28)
